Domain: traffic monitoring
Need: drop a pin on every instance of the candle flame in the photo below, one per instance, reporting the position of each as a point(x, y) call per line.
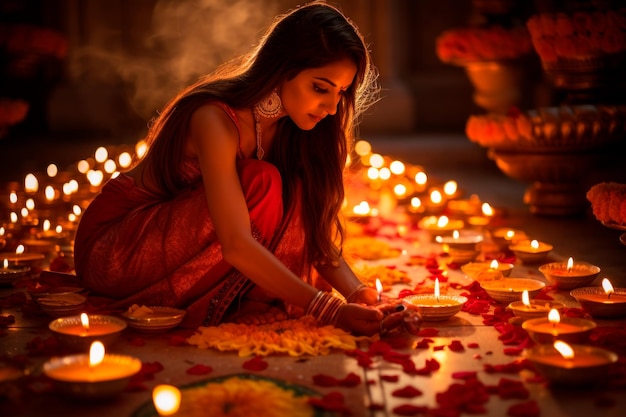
point(494, 264)
point(400, 190)
point(455, 234)
point(442, 221)
point(6, 263)
point(509, 234)
point(564, 349)
point(379, 288)
point(450, 187)
point(84, 319)
point(607, 286)
point(49, 192)
point(166, 399)
point(421, 178)
point(534, 244)
point(416, 202)
point(554, 317)
point(46, 225)
point(363, 208)
point(19, 250)
point(384, 173)
point(31, 184)
point(96, 353)
point(397, 167)
point(570, 264)
point(436, 197)
point(487, 209)
point(526, 298)
point(376, 160)
point(437, 289)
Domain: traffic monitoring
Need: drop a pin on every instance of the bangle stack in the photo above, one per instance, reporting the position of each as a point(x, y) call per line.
point(324, 308)
point(352, 294)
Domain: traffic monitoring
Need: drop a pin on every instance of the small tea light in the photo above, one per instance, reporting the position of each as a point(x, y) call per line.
point(531, 251)
point(379, 290)
point(503, 237)
point(166, 399)
point(532, 309)
point(568, 329)
point(483, 220)
point(460, 240)
point(602, 302)
point(564, 364)
point(440, 226)
point(79, 332)
point(487, 271)
point(10, 273)
point(435, 307)
point(569, 275)
point(93, 375)
point(508, 290)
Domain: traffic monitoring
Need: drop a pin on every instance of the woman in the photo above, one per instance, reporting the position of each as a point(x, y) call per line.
point(234, 210)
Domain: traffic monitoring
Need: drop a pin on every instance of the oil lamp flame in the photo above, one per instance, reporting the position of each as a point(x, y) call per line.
point(534, 244)
point(84, 319)
point(455, 234)
point(442, 221)
point(379, 289)
point(166, 399)
point(608, 287)
point(437, 289)
point(487, 209)
point(526, 298)
point(570, 264)
point(494, 264)
point(564, 349)
point(96, 353)
point(554, 317)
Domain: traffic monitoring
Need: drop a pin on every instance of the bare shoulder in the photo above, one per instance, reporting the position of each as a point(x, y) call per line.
point(211, 121)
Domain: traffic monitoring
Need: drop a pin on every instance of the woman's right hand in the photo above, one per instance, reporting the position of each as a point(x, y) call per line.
point(365, 320)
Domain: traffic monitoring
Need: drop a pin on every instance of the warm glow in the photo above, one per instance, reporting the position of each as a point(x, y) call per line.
point(58, 229)
point(71, 217)
point(436, 197)
point(84, 319)
point(76, 209)
point(101, 154)
point(526, 298)
point(166, 399)
point(372, 173)
point(95, 177)
point(416, 202)
point(13, 217)
point(377, 160)
point(52, 170)
point(564, 349)
point(141, 148)
point(455, 234)
point(450, 187)
point(554, 317)
point(6, 263)
point(442, 221)
point(509, 234)
point(494, 264)
point(379, 287)
point(399, 190)
point(31, 184)
point(46, 225)
point(363, 208)
point(397, 167)
point(607, 286)
point(49, 192)
point(570, 264)
point(30, 204)
point(384, 173)
point(487, 209)
point(24, 212)
point(1, 231)
point(534, 244)
point(82, 166)
point(96, 353)
point(124, 159)
point(362, 148)
point(13, 197)
point(421, 178)
point(110, 166)
point(437, 289)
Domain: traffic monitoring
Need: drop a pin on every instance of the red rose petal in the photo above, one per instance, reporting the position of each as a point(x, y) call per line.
point(406, 392)
point(428, 332)
point(527, 409)
point(390, 378)
point(255, 364)
point(409, 410)
point(456, 346)
point(333, 402)
point(351, 380)
point(199, 369)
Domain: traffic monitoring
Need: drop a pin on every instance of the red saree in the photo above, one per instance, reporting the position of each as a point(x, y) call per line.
point(134, 248)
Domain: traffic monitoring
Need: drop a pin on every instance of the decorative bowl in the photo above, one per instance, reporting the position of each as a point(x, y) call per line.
point(429, 309)
point(63, 304)
point(595, 302)
point(581, 274)
point(537, 308)
point(508, 290)
point(154, 319)
point(473, 269)
point(569, 330)
point(529, 255)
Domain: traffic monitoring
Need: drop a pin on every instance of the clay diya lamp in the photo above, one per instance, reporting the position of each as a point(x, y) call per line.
point(602, 302)
point(508, 290)
point(487, 271)
point(531, 251)
point(531, 309)
point(503, 237)
point(94, 375)
point(570, 364)
point(11, 273)
point(79, 332)
point(435, 307)
point(570, 275)
point(568, 329)
point(440, 226)
point(462, 246)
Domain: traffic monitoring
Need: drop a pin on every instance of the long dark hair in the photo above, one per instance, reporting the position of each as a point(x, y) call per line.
point(310, 36)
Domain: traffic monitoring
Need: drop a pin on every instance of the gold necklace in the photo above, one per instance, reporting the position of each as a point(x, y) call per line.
point(259, 134)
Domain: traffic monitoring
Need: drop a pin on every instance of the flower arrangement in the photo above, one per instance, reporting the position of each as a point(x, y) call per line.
point(578, 35)
point(482, 44)
point(608, 202)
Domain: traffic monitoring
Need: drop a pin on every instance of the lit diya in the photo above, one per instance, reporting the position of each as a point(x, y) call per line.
point(462, 246)
point(11, 273)
point(435, 307)
point(564, 364)
point(508, 290)
point(93, 375)
point(503, 237)
point(79, 332)
point(440, 226)
point(551, 328)
point(532, 309)
point(602, 302)
point(487, 271)
point(569, 275)
point(531, 251)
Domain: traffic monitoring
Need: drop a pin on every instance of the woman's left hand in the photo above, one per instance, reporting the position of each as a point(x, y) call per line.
point(364, 295)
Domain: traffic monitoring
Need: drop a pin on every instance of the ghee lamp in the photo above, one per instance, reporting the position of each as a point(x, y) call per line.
point(532, 309)
point(602, 302)
point(570, 275)
point(531, 251)
point(435, 307)
point(569, 329)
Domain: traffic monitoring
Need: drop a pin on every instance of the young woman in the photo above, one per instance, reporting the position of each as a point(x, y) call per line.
point(233, 214)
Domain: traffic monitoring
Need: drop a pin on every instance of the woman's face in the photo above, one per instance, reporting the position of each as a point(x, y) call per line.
point(314, 93)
